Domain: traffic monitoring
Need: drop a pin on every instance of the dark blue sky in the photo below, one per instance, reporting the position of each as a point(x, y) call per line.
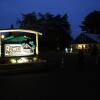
point(10, 10)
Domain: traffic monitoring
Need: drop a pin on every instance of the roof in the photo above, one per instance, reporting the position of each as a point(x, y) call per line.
point(87, 38)
point(95, 37)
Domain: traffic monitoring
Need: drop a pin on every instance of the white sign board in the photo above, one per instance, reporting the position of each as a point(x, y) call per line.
point(18, 50)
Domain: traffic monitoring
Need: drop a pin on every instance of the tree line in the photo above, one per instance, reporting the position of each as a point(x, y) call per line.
point(56, 29)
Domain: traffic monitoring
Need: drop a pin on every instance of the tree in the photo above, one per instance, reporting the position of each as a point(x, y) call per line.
point(55, 28)
point(91, 23)
point(28, 21)
point(58, 29)
point(11, 33)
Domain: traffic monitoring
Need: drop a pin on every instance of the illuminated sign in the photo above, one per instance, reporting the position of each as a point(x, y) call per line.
point(18, 50)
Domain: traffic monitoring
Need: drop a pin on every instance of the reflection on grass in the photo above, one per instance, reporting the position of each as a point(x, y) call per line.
point(22, 60)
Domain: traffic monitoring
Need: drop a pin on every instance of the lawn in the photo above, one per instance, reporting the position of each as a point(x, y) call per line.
point(70, 61)
point(59, 60)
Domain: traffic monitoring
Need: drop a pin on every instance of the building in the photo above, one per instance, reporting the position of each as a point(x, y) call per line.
point(86, 41)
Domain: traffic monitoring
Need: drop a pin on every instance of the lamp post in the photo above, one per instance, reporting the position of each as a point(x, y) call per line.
point(2, 45)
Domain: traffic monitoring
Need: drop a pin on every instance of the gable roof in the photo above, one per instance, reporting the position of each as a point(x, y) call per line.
point(95, 37)
point(87, 38)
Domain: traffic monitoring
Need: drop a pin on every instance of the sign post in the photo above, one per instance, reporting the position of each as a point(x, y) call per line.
point(2, 45)
point(37, 45)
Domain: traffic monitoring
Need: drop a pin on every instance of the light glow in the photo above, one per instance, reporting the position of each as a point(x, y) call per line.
point(35, 59)
point(2, 36)
point(22, 60)
point(81, 46)
point(13, 61)
point(68, 50)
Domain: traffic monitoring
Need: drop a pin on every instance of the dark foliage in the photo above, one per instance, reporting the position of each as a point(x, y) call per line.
point(91, 23)
point(55, 28)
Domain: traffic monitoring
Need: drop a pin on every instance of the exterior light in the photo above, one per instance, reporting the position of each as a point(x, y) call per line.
point(35, 59)
point(68, 50)
point(2, 36)
point(71, 50)
point(22, 60)
point(13, 61)
point(2, 45)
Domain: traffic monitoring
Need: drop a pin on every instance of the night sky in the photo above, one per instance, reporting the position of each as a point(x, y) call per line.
point(10, 10)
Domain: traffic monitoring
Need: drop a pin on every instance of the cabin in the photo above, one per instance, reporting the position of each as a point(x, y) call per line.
point(86, 41)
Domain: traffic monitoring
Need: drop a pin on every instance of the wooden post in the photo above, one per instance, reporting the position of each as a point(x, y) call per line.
point(37, 44)
point(2, 46)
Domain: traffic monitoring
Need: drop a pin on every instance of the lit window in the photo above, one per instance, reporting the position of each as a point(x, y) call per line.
point(81, 46)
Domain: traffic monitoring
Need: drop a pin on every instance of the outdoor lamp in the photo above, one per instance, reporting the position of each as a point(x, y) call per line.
point(2, 36)
point(2, 45)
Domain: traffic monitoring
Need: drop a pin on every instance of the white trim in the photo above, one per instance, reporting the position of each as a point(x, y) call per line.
point(20, 30)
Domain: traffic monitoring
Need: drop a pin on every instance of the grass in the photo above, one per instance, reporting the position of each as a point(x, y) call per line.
point(70, 61)
point(60, 60)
